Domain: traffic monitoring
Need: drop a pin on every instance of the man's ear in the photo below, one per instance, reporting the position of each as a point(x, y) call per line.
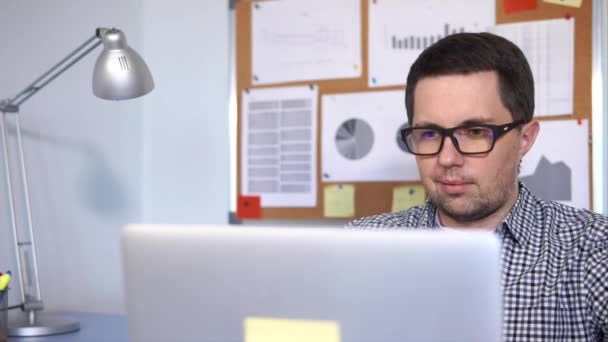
point(528, 135)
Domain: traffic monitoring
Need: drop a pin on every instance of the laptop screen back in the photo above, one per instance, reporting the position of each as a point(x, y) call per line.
point(202, 282)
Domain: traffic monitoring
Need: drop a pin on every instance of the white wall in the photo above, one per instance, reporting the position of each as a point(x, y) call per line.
point(96, 165)
point(186, 154)
point(604, 67)
point(605, 101)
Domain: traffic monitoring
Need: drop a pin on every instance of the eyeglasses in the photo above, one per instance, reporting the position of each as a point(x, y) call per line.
point(468, 139)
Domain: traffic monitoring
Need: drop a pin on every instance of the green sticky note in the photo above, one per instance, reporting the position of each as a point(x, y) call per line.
point(339, 200)
point(405, 197)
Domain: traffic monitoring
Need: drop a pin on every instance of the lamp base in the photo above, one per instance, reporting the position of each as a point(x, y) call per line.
point(36, 323)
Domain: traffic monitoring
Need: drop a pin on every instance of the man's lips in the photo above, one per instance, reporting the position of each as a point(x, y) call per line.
point(454, 187)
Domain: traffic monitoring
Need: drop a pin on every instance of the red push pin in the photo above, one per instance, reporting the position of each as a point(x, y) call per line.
point(248, 207)
point(568, 16)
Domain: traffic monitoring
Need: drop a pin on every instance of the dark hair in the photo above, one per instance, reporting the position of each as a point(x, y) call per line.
point(466, 53)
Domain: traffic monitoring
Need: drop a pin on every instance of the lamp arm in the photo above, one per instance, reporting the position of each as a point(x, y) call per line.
point(12, 105)
point(25, 248)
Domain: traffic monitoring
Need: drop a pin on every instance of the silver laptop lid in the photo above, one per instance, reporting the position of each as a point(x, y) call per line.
point(201, 283)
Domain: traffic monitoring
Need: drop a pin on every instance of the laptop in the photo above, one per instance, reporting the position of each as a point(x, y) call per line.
point(224, 283)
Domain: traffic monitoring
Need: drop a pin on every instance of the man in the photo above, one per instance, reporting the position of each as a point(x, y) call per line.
point(470, 101)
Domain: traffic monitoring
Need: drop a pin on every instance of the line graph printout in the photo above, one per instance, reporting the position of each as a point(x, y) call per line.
point(557, 166)
point(279, 146)
point(399, 30)
point(549, 48)
point(301, 40)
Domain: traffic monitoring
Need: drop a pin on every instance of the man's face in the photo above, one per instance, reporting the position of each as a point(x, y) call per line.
point(468, 188)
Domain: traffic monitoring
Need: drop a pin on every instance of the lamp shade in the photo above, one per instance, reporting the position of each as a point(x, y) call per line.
point(120, 73)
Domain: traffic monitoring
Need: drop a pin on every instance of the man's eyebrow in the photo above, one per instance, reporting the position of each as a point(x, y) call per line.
point(426, 125)
point(474, 121)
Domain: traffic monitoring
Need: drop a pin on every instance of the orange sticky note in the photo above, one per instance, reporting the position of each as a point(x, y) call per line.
point(248, 207)
point(514, 6)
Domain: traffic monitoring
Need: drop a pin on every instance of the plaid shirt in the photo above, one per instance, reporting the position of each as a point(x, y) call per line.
point(555, 267)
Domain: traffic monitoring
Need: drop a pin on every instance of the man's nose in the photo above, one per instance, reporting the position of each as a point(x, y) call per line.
point(449, 155)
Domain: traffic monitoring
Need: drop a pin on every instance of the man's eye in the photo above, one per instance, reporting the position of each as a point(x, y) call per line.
point(476, 132)
point(428, 134)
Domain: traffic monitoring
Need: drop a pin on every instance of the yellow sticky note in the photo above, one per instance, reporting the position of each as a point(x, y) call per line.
point(339, 201)
point(259, 329)
point(405, 197)
point(570, 3)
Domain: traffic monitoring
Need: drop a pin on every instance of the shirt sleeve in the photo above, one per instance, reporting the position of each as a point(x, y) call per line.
point(596, 283)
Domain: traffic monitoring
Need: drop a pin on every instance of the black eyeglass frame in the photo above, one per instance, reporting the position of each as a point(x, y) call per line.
point(498, 130)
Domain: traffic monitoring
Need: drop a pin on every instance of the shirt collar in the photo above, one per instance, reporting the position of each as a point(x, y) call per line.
point(519, 222)
point(427, 219)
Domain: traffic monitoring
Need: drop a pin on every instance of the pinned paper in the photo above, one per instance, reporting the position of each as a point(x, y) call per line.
point(339, 201)
point(514, 6)
point(398, 31)
point(248, 207)
point(305, 40)
point(554, 169)
point(549, 48)
point(279, 145)
point(405, 197)
point(569, 3)
point(290, 330)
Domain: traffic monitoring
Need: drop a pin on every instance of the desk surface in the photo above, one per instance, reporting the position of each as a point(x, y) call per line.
point(94, 327)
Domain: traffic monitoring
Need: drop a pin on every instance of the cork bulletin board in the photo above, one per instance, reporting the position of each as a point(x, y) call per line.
point(376, 197)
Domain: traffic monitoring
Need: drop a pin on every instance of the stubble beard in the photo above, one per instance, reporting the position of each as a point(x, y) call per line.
point(471, 208)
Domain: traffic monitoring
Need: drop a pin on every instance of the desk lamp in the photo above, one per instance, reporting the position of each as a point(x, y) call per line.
point(119, 74)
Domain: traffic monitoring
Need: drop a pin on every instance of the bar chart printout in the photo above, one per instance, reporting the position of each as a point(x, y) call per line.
point(414, 42)
point(399, 30)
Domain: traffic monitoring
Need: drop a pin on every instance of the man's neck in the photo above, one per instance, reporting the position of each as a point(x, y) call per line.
point(486, 224)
